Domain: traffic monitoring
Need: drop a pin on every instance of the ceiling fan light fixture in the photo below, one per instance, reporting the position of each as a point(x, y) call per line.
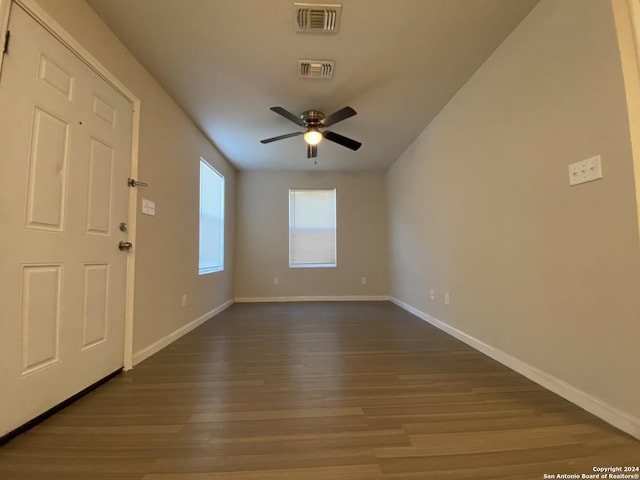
point(314, 122)
point(312, 136)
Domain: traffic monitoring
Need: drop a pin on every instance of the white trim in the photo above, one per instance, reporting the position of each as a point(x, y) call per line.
point(53, 27)
point(172, 337)
point(5, 7)
point(132, 218)
point(320, 298)
point(634, 14)
point(610, 414)
point(633, 108)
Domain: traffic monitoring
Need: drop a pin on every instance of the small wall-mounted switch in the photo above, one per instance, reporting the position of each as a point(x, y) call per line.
point(447, 298)
point(276, 281)
point(184, 299)
point(148, 207)
point(363, 281)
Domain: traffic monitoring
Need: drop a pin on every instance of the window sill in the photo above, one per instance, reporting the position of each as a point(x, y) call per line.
point(205, 271)
point(313, 265)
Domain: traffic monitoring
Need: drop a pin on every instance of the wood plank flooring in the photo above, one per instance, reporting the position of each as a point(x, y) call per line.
point(317, 391)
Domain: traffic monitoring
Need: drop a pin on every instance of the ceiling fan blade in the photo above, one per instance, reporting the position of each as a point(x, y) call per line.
point(288, 115)
point(280, 137)
point(312, 151)
point(338, 116)
point(342, 140)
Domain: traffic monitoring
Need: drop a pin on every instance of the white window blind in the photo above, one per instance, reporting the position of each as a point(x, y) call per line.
point(312, 228)
point(211, 258)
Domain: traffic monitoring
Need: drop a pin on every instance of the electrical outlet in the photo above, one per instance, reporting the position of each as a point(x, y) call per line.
point(432, 295)
point(585, 171)
point(184, 299)
point(276, 281)
point(363, 280)
point(447, 298)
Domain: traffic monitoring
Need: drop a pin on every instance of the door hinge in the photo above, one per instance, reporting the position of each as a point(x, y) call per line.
point(7, 36)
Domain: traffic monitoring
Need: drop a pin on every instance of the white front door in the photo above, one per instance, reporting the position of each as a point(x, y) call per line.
point(65, 150)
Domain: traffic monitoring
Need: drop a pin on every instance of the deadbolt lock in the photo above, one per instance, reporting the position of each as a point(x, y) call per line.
point(122, 245)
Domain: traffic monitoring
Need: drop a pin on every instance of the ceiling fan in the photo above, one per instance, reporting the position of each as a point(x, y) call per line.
point(314, 122)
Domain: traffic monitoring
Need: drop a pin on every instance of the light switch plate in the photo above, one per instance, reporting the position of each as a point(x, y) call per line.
point(585, 171)
point(148, 207)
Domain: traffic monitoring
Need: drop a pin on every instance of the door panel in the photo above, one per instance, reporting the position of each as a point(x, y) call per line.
point(65, 141)
point(48, 166)
point(40, 319)
point(99, 188)
point(95, 313)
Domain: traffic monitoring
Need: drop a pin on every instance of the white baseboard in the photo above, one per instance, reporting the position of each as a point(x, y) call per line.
point(172, 337)
point(347, 298)
point(610, 414)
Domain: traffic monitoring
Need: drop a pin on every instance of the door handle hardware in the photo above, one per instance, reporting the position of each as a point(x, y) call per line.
point(122, 245)
point(132, 182)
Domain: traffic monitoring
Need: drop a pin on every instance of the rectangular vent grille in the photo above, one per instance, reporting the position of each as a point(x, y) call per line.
point(317, 18)
point(315, 68)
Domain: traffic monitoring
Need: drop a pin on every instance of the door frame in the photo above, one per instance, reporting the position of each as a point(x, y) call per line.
point(627, 19)
point(53, 27)
point(4, 20)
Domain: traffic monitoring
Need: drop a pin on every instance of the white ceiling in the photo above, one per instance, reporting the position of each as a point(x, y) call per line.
point(226, 62)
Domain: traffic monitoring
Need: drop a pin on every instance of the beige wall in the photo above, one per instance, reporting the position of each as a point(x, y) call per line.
point(170, 150)
point(262, 236)
point(480, 206)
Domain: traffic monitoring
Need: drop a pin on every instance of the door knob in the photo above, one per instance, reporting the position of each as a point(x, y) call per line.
point(125, 245)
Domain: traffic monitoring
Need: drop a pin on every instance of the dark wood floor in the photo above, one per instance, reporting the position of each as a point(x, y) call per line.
point(317, 391)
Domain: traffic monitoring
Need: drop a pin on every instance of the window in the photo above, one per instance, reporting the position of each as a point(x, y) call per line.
point(312, 228)
point(211, 258)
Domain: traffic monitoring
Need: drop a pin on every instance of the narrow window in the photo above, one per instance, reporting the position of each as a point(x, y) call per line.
point(211, 258)
point(312, 228)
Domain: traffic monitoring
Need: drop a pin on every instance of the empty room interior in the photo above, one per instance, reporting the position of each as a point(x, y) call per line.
point(361, 239)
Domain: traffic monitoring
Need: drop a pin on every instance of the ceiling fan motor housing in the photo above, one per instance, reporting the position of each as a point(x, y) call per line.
point(312, 118)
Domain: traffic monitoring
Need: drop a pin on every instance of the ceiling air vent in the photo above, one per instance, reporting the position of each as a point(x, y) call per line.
point(317, 18)
point(315, 68)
